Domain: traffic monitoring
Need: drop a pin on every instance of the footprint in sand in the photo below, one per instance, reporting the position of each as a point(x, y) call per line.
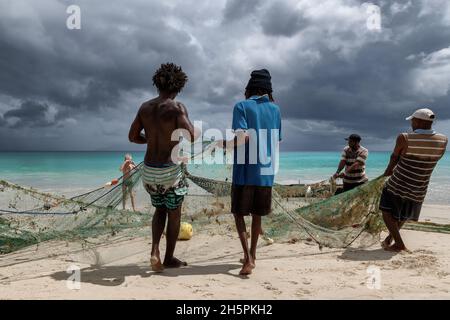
point(443, 274)
point(302, 292)
point(349, 273)
point(419, 262)
point(424, 251)
point(269, 286)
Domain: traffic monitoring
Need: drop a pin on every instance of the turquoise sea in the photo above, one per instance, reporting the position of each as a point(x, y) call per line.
point(62, 171)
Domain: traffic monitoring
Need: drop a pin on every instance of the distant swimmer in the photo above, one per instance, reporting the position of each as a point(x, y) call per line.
point(127, 187)
point(412, 162)
point(353, 159)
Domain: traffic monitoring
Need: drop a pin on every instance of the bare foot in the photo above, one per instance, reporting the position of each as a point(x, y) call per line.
point(387, 242)
point(397, 248)
point(156, 265)
point(242, 260)
point(174, 263)
point(247, 268)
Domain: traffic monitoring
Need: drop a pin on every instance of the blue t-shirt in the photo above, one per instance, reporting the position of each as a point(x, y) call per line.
point(256, 162)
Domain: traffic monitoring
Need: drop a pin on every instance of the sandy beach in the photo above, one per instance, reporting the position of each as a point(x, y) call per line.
point(119, 269)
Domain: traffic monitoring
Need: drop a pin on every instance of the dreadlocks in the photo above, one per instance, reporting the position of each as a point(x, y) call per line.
point(169, 78)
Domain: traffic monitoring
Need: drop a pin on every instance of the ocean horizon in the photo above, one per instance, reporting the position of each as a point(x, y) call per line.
point(69, 171)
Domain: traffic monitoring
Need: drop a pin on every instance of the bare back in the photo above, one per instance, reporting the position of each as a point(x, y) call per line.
point(160, 118)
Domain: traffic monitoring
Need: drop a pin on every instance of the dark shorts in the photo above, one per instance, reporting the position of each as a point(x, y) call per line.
point(255, 200)
point(168, 200)
point(351, 186)
point(348, 187)
point(401, 209)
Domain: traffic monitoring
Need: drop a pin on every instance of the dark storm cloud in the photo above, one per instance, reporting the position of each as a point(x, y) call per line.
point(372, 92)
point(29, 114)
point(281, 20)
point(236, 9)
point(88, 68)
point(330, 74)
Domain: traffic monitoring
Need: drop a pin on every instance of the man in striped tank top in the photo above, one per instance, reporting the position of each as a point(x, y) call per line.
point(411, 165)
point(353, 159)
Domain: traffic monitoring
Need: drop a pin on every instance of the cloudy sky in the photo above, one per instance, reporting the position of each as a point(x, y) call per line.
point(64, 89)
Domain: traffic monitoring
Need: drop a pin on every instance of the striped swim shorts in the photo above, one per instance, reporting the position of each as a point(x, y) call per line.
point(166, 185)
point(167, 200)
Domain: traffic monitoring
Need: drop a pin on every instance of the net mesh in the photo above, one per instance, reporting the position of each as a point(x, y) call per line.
point(29, 217)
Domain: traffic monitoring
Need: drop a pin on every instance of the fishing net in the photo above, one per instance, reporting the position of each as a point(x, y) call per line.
point(334, 222)
point(322, 189)
point(349, 218)
point(301, 212)
point(31, 217)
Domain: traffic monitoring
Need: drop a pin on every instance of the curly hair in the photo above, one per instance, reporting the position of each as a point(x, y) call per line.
point(169, 78)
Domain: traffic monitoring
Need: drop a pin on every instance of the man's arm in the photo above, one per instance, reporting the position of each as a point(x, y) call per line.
point(355, 165)
point(340, 167)
point(135, 132)
point(190, 132)
point(399, 149)
point(239, 126)
point(241, 137)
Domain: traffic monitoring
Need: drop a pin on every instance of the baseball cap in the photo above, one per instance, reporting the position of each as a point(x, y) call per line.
point(423, 114)
point(355, 137)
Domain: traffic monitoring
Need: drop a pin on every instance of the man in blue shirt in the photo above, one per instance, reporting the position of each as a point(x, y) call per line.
point(257, 127)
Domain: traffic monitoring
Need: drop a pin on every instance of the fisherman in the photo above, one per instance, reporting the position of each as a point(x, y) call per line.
point(353, 159)
point(257, 128)
point(127, 186)
point(410, 167)
point(162, 175)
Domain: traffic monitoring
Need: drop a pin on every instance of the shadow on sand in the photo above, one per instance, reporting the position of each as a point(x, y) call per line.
point(366, 255)
point(115, 275)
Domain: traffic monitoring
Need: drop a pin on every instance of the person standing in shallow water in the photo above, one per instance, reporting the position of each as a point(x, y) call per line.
point(162, 175)
point(412, 162)
point(127, 186)
point(257, 128)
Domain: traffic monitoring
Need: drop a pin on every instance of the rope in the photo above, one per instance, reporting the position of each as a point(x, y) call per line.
point(38, 213)
point(296, 222)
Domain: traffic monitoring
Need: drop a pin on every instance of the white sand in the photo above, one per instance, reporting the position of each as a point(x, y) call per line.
point(120, 270)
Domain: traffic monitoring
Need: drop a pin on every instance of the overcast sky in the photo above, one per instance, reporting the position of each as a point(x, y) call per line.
point(64, 89)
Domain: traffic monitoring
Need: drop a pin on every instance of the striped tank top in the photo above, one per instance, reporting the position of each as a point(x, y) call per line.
point(350, 157)
point(412, 174)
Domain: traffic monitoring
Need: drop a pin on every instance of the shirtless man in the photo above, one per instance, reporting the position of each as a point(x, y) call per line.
point(127, 166)
point(163, 178)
